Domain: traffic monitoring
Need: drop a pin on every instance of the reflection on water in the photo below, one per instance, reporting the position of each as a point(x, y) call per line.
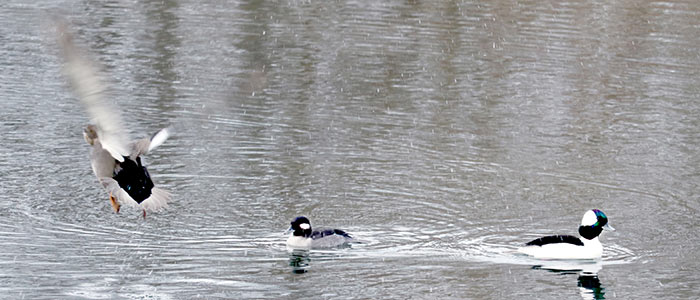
point(571, 267)
point(590, 287)
point(299, 260)
point(588, 282)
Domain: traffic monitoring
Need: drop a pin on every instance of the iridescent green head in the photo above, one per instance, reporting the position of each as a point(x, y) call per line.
point(593, 223)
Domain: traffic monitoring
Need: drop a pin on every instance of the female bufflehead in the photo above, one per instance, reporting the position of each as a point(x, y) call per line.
point(570, 247)
point(115, 161)
point(303, 237)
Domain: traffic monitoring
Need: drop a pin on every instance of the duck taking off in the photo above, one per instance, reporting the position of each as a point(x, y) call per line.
point(115, 160)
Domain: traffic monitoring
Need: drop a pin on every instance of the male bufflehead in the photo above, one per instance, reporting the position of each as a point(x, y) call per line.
point(115, 160)
point(303, 237)
point(570, 247)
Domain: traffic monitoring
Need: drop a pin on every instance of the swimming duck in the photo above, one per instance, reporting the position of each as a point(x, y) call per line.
point(303, 237)
point(116, 162)
point(570, 247)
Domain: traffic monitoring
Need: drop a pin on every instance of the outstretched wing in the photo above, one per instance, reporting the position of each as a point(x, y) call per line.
point(144, 146)
point(83, 78)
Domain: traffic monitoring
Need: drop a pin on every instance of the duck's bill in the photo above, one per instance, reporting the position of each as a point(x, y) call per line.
point(288, 231)
point(608, 227)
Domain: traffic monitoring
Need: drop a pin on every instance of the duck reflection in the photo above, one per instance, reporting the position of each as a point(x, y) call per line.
point(590, 288)
point(299, 260)
point(588, 282)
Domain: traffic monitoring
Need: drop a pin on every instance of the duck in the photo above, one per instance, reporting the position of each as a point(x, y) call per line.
point(302, 236)
point(587, 246)
point(125, 177)
point(115, 160)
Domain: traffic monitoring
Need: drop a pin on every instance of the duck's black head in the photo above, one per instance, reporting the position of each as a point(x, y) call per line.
point(593, 223)
point(301, 226)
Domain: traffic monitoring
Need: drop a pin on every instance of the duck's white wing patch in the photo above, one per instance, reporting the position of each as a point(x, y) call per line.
point(83, 76)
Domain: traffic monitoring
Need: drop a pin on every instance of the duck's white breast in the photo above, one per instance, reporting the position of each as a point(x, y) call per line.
point(298, 242)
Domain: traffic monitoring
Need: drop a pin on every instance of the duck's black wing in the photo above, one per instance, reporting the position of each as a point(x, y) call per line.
point(327, 232)
point(555, 239)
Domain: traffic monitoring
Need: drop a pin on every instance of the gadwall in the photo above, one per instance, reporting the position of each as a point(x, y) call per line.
point(115, 161)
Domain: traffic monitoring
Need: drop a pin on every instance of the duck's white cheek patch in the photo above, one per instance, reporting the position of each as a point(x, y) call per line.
point(304, 226)
point(589, 218)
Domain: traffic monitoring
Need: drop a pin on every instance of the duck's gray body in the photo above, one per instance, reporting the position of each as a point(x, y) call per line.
point(103, 164)
point(329, 238)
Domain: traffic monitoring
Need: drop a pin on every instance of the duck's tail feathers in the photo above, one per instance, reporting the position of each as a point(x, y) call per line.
point(158, 200)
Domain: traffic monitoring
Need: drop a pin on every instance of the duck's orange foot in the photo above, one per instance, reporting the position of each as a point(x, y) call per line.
point(115, 204)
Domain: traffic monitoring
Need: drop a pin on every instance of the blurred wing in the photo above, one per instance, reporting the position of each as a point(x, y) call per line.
point(139, 147)
point(85, 82)
point(144, 146)
point(159, 138)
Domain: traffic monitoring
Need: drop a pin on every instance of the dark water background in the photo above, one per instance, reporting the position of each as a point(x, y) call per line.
point(442, 135)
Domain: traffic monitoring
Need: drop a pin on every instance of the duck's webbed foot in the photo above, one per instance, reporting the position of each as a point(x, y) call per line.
point(115, 204)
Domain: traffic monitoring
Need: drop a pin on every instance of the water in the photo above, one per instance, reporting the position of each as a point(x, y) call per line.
point(442, 136)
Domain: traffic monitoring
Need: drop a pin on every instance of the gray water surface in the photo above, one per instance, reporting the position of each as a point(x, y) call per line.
point(441, 135)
